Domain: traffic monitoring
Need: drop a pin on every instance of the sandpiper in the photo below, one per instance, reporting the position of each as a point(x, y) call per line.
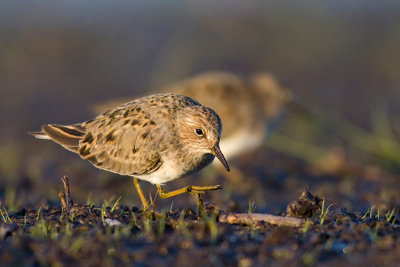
point(158, 138)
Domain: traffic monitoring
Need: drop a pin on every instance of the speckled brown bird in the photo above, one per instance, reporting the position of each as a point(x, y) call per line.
point(157, 138)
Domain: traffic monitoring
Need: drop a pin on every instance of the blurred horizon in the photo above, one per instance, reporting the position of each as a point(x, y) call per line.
point(328, 52)
point(136, 46)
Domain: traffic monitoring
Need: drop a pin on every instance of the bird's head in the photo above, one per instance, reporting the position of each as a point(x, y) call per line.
point(200, 129)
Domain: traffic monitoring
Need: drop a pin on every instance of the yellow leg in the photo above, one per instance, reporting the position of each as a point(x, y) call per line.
point(137, 186)
point(187, 189)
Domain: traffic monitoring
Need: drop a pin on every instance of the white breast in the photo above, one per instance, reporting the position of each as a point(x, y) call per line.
point(169, 170)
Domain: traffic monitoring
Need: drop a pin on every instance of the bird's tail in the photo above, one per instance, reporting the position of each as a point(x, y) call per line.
point(67, 136)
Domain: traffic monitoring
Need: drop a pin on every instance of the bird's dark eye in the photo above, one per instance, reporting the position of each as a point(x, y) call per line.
point(199, 132)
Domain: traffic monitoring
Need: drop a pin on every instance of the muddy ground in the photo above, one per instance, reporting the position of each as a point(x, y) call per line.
point(348, 218)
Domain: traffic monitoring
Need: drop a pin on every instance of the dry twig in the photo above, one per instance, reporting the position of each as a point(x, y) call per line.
point(244, 218)
point(200, 208)
point(65, 197)
point(61, 195)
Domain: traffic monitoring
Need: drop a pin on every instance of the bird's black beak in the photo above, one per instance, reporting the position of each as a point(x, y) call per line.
point(216, 151)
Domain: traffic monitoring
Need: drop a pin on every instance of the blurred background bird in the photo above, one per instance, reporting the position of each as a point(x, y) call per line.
point(249, 108)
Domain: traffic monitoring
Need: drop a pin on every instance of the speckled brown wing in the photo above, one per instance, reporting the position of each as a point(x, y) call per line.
point(121, 141)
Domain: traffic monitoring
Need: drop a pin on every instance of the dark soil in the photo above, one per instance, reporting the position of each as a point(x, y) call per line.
point(350, 217)
point(120, 235)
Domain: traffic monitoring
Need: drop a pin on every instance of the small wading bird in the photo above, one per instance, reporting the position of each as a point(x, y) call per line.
point(157, 138)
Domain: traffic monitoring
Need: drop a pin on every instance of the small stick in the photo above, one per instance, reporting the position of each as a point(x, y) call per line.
point(153, 202)
point(61, 195)
point(248, 219)
point(200, 208)
point(67, 194)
